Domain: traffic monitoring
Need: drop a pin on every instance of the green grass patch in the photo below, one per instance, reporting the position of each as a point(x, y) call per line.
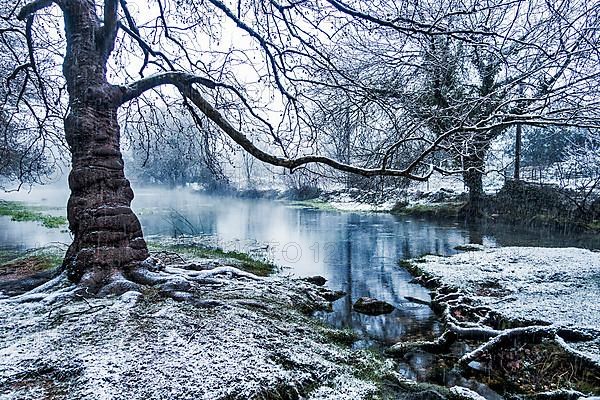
point(21, 264)
point(594, 226)
point(343, 337)
point(18, 211)
point(41, 261)
point(246, 262)
point(313, 203)
point(430, 210)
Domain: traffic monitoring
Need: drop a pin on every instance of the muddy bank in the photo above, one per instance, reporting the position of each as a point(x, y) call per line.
point(524, 321)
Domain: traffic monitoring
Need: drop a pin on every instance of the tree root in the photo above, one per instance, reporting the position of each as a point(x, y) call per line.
point(440, 345)
point(465, 321)
point(179, 282)
point(531, 334)
point(560, 394)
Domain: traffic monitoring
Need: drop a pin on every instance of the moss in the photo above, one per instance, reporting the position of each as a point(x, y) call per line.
point(21, 212)
point(343, 337)
point(446, 210)
point(41, 262)
point(21, 265)
point(313, 203)
point(469, 247)
point(530, 368)
point(594, 226)
point(247, 263)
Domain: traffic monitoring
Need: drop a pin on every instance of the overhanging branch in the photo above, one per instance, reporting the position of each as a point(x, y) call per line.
point(137, 88)
point(238, 137)
point(32, 8)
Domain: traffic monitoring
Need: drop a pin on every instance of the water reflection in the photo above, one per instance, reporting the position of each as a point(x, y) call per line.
point(357, 252)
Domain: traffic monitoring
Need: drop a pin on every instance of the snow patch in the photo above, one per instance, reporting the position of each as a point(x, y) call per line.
point(556, 285)
point(252, 344)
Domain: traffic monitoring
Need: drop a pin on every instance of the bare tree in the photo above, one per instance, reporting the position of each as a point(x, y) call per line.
point(250, 69)
point(98, 42)
point(475, 71)
point(26, 153)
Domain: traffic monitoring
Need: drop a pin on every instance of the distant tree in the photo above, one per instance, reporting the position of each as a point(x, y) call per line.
point(543, 147)
point(20, 161)
point(24, 159)
point(488, 68)
point(168, 148)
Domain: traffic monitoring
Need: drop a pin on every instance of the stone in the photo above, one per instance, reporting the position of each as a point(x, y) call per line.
point(371, 306)
point(316, 280)
point(332, 295)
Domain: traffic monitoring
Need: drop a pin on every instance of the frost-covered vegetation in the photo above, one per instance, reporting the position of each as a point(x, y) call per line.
point(244, 339)
point(240, 337)
point(491, 107)
point(535, 311)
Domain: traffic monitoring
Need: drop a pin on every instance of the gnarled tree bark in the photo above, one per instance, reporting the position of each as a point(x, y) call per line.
point(108, 239)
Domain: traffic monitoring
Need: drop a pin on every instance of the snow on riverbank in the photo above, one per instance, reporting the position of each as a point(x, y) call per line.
point(242, 339)
point(556, 285)
point(437, 190)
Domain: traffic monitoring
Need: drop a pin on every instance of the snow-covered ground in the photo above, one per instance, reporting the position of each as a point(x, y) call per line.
point(245, 339)
point(437, 189)
point(559, 286)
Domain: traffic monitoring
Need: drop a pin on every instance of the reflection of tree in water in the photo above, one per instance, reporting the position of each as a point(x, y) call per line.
point(366, 264)
point(490, 233)
point(358, 253)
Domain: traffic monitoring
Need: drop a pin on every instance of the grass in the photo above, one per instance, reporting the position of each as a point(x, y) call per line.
point(343, 337)
point(313, 203)
point(247, 262)
point(594, 226)
point(40, 262)
point(430, 210)
point(15, 265)
point(18, 211)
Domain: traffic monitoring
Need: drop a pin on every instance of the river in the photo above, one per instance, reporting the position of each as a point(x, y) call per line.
point(357, 252)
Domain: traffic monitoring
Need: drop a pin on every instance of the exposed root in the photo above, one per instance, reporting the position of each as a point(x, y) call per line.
point(49, 292)
point(179, 282)
point(432, 391)
point(532, 334)
point(440, 345)
point(50, 285)
point(466, 321)
point(418, 301)
point(223, 270)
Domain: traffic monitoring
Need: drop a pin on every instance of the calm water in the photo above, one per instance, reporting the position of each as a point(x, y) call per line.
point(357, 252)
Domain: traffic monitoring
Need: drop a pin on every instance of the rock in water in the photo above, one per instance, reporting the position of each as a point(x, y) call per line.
point(371, 306)
point(332, 295)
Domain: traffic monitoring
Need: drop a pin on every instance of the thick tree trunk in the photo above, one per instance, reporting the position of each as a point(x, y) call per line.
point(108, 240)
point(473, 178)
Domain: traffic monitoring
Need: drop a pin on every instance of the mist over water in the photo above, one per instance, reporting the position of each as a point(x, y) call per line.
point(357, 252)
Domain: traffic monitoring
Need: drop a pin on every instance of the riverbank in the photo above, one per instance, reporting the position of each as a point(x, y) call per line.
point(243, 339)
point(526, 318)
point(230, 335)
point(519, 203)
